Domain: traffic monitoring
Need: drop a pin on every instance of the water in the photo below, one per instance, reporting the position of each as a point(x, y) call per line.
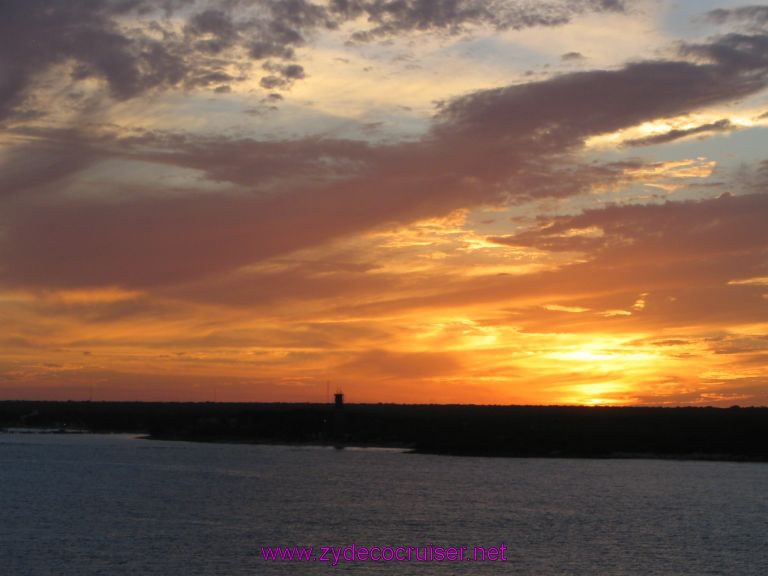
point(86, 505)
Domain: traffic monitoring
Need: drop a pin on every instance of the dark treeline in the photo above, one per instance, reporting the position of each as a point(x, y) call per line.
point(707, 433)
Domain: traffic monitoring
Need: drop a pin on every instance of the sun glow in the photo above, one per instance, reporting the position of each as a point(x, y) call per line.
point(596, 394)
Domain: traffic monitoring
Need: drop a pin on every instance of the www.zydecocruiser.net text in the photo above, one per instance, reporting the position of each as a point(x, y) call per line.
point(334, 555)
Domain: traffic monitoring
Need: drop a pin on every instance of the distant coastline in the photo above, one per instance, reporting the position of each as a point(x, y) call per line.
point(714, 434)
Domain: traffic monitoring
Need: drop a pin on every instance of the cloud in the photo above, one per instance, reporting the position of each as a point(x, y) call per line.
point(135, 47)
point(681, 254)
point(213, 31)
point(572, 57)
point(677, 257)
point(390, 17)
point(387, 364)
point(560, 112)
point(659, 232)
point(131, 46)
point(152, 383)
point(37, 34)
point(282, 75)
point(753, 15)
point(45, 160)
point(672, 135)
point(736, 53)
point(740, 344)
point(222, 254)
point(499, 145)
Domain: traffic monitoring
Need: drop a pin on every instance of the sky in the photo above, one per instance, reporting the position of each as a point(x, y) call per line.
point(420, 201)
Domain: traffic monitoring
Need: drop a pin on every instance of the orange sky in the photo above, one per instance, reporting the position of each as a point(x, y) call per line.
point(456, 207)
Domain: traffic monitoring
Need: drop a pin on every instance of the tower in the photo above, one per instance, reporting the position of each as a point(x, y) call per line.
point(338, 420)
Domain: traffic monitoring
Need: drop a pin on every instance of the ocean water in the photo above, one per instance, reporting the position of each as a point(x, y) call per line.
point(86, 505)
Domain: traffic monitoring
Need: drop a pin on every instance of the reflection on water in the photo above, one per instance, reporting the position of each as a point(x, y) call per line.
point(86, 504)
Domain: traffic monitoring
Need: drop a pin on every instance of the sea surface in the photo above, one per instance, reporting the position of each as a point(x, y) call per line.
point(84, 505)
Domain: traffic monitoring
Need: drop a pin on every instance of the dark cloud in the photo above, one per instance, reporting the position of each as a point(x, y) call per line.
point(754, 15)
point(273, 82)
point(213, 31)
point(35, 34)
point(282, 75)
point(670, 342)
point(524, 127)
point(391, 17)
point(127, 44)
point(254, 163)
point(572, 57)
point(672, 135)
point(286, 26)
point(562, 111)
point(741, 344)
point(131, 46)
point(727, 224)
point(293, 71)
point(48, 159)
point(738, 53)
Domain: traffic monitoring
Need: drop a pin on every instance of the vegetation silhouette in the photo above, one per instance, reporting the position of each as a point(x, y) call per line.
point(469, 430)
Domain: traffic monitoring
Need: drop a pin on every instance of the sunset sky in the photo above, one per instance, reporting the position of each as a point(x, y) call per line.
point(499, 201)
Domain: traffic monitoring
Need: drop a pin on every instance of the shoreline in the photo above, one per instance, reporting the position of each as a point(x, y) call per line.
point(689, 457)
point(687, 434)
point(401, 448)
